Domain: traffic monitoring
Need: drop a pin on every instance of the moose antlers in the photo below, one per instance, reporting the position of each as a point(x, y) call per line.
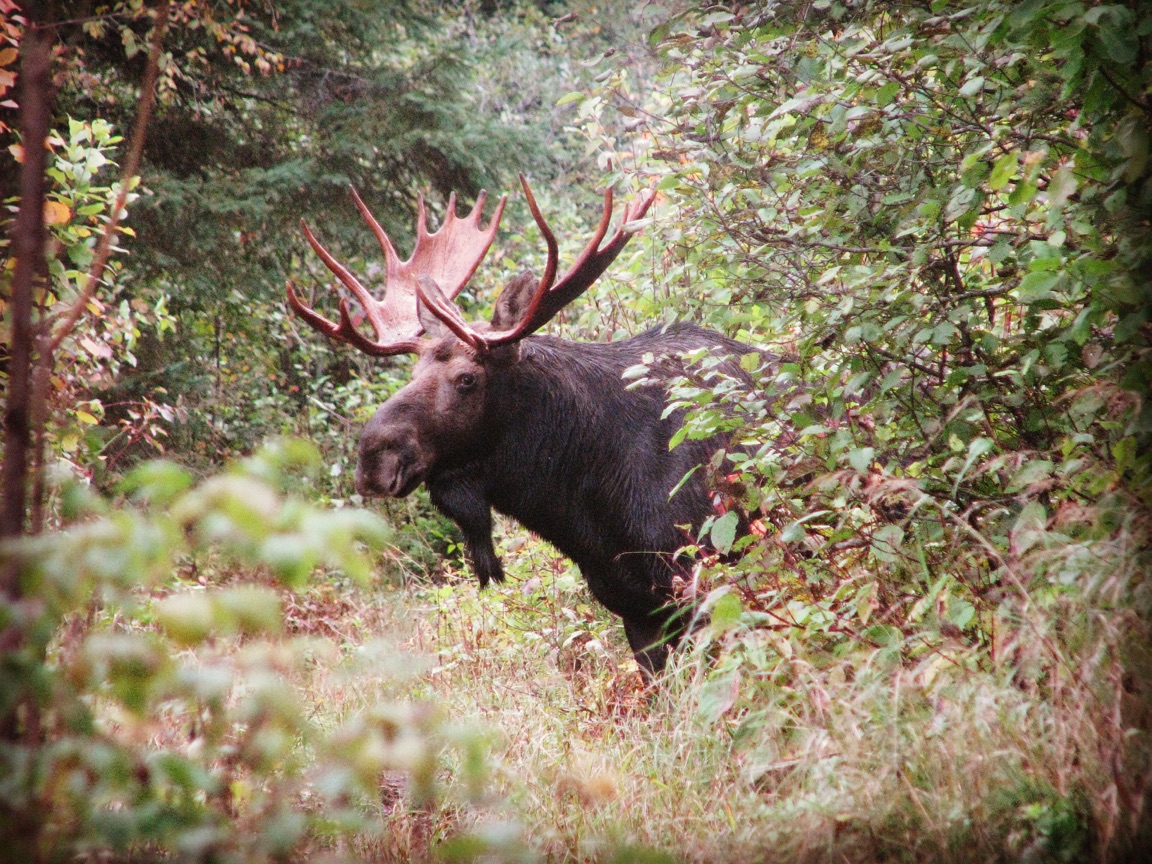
point(450, 256)
point(440, 267)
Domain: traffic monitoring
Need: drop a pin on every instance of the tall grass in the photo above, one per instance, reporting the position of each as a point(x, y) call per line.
point(1039, 753)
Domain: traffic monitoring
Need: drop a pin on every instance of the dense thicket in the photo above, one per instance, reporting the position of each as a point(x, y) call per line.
point(941, 215)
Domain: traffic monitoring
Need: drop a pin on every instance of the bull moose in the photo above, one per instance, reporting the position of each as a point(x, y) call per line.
point(541, 429)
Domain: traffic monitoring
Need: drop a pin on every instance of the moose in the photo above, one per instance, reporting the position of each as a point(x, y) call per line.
point(538, 428)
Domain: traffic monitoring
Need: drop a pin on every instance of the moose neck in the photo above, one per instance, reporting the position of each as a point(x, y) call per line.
point(562, 422)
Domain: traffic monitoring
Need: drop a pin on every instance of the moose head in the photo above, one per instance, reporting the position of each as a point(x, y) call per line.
point(538, 428)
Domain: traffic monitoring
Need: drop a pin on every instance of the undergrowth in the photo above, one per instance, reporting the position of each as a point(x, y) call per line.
point(788, 754)
point(227, 708)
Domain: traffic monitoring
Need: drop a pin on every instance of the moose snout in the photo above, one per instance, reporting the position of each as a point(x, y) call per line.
point(387, 473)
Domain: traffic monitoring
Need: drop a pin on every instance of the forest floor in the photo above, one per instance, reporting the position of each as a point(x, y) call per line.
point(556, 751)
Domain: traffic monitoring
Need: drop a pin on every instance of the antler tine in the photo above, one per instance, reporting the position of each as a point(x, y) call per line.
point(385, 242)
point(594, 260)
point(448, 256)
point(444, 309)
point(346, 330)
point(422, 215)
point(549, 276)
point(366, 300)
point(550, 298)
point(549, 238)
point(313, 318)
point(472, 221)
point(351, 334)
point(451, 254)
point(593, 251)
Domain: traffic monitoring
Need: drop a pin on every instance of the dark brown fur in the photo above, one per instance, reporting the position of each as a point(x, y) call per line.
point(547, 432)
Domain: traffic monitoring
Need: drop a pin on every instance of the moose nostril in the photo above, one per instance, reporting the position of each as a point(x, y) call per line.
point(395, 476)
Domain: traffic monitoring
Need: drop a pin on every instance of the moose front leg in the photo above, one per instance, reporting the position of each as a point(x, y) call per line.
point(462, 501)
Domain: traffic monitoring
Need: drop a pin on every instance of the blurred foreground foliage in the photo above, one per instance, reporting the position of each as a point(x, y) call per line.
point(142, 743)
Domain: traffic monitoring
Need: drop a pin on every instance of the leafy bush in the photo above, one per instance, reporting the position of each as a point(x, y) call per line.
point(167, 718)
point(87, 426)
point(936, 219)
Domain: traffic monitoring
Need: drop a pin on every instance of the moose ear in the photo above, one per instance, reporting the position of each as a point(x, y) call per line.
point(434, 328)
point(513, 301)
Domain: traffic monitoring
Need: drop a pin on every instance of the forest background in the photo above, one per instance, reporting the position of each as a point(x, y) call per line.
point(932, 647)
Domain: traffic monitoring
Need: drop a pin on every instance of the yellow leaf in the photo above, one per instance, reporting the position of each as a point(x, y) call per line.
point(124, 229)
point(7, 56)
point(96, 349)
point(56, 212)
point(85, 417)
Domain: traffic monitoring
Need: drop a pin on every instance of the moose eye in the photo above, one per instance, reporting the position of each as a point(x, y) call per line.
point(465, 382)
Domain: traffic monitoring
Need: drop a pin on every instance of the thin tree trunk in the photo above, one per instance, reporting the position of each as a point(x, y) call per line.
point(28, 239)
point(29, 366)
point(27, 246)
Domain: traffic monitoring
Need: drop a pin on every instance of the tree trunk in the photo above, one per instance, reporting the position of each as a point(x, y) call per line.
point(20, 725)
point(28, 236)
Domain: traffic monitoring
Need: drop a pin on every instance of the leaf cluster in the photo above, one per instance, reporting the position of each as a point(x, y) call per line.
point(117, 649)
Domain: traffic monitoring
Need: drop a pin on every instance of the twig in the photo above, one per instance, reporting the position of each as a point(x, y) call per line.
point(907, 361)
point(131, 166)
point(1142, 104)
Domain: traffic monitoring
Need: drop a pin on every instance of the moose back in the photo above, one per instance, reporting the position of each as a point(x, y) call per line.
point(541, 429)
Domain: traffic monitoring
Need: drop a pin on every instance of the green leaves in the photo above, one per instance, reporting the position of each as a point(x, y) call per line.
point(158, 482)
point(718, 695)
point(972, 86)
point(861, 458)
point(1037, 286)
point(723, 532)
point(189, 618)
point(1002, 171)
point(1029, 527)
point(934, 216)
